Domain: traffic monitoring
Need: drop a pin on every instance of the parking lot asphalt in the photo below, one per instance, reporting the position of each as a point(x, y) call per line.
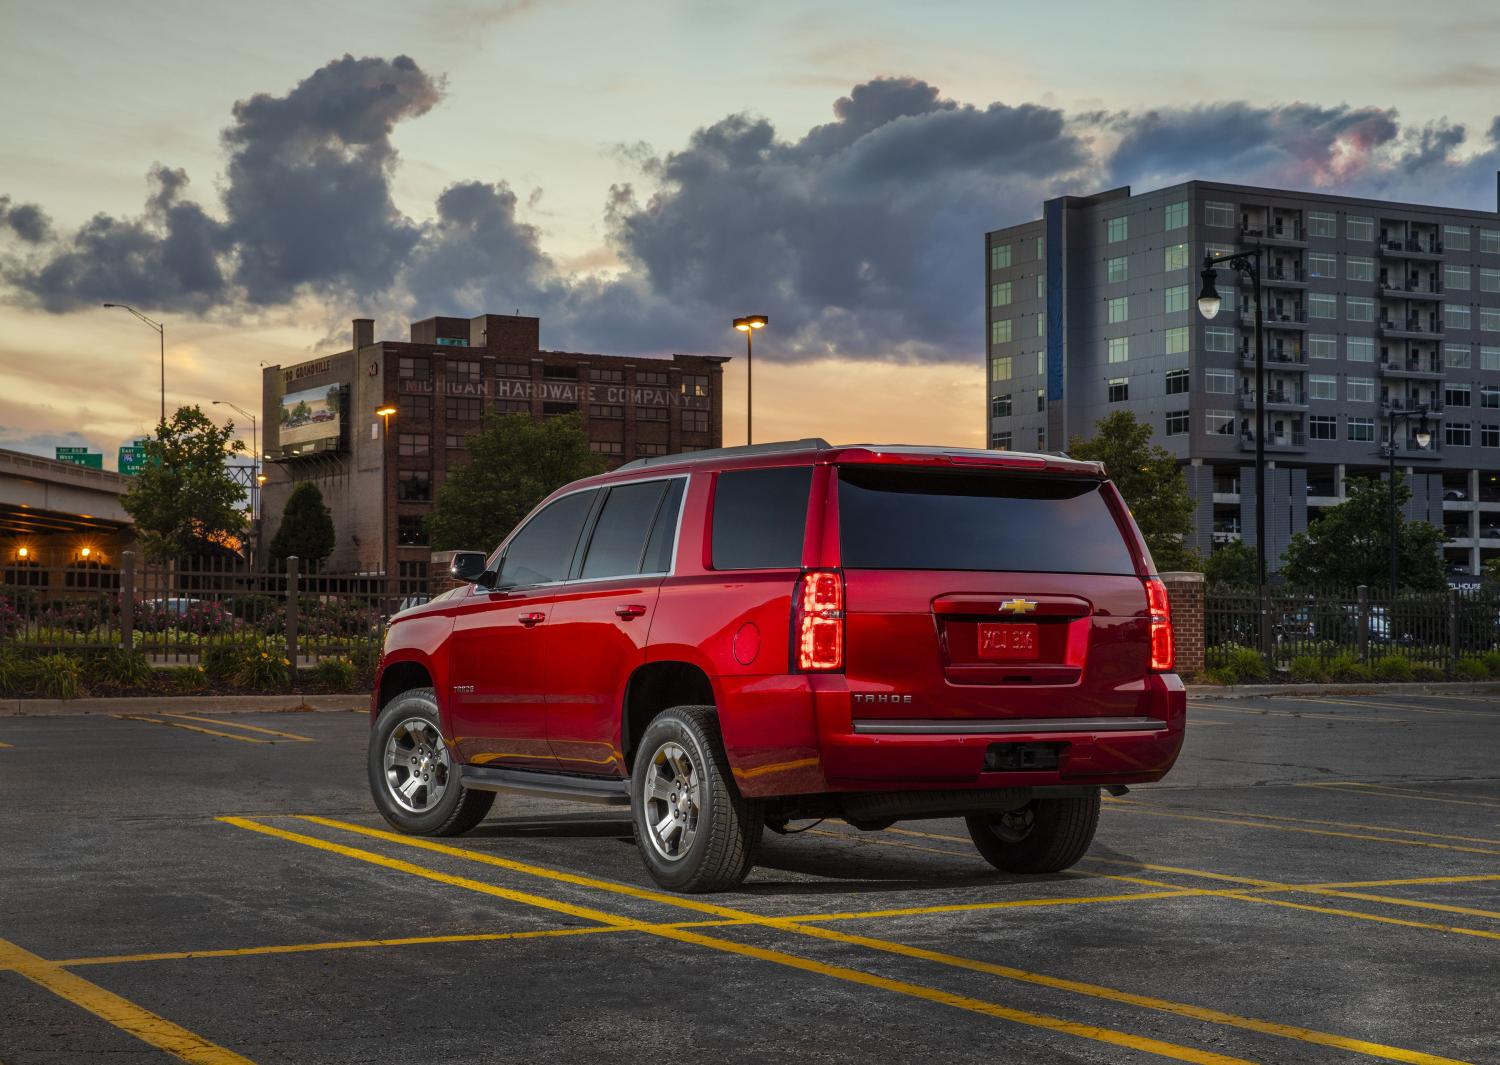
point(1317, 880)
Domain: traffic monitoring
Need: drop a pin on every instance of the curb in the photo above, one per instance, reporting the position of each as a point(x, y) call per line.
point(1247, 691)
point(223, 704)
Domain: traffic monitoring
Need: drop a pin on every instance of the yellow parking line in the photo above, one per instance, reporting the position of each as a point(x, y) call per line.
point(190, 728)
point(1387, 791)
point(122, 1013)
point(240, 725)
point(838, 972)
point(1374, 828)
point(1093, 990)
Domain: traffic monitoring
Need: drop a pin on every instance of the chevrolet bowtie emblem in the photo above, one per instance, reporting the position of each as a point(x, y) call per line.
point(1018, 606)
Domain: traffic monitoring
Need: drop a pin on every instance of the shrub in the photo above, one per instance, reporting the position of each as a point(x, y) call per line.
point(366, 657)
point(1471, 667)
point(1491, 660)
point(1217, 676)
point(262, 669)
point(56, 676)
point(1427, 672)
point(11, 621)
point(221, 661)
point(1347, 668)
point(1393, 668)
point(1309, 669)
point(15, 673)
point(74, 615)
point(335, 674)
point(117, 668)
point(188, 679)
point(1246, 664)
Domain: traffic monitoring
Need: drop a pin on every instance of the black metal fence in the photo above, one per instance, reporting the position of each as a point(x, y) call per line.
point(179, 613)
point(1436, 628)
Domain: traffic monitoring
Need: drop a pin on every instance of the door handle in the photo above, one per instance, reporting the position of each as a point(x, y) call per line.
point(535, 617)
point(633, 610)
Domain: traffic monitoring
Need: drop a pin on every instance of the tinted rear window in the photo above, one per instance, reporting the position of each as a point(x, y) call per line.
point(759, 517)
point(619, 538)
point(894, 518)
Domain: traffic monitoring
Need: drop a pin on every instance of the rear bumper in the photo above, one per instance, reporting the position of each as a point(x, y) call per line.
point(840, 752)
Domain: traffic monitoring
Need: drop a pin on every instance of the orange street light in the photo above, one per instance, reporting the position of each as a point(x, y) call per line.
point(748, 325)
point(385, 413)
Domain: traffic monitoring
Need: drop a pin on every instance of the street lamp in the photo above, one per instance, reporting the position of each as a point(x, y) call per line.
point(748, 325)
point(385, 413)
point(161, 331)
point(1422, 438)
point(255, 450)
point(1247, 261)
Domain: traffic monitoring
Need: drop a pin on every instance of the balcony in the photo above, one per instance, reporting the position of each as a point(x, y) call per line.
point(1415, 248)
point(1432, 410)
point(1274, 319)
point(1285, 361)
point(1422, 369)
point(1284, 277)
point(1285, 233)
point(1408, 449)
point(1276, 399)
point(1295, 441)
point(1413, 328)
point(1411, 290)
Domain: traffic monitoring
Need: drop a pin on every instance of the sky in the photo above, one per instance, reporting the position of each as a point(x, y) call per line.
point(638, 174)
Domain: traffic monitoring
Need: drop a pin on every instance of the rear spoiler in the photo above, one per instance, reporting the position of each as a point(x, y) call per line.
point(966, 458)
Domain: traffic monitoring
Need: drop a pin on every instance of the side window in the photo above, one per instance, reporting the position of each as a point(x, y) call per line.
point(759, 516)
point(664, 534)
point(543, 549)
point(619, 538)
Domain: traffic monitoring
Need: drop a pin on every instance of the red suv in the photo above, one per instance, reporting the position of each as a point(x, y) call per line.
point(729, 640)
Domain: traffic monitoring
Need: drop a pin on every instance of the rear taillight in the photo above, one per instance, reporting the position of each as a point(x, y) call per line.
point(1162, 652)
point(818, 621)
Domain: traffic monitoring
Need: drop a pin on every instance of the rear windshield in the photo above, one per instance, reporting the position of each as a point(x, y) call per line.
point(903, 518)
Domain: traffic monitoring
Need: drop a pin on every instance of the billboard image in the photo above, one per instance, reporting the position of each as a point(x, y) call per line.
point(310, 419)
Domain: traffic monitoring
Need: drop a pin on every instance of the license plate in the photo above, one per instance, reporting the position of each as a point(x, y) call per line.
point(1011, 643)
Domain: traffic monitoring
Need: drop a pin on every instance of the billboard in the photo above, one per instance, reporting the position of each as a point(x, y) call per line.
point(311, 420)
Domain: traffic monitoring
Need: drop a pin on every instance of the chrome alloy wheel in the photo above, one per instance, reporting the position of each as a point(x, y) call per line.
point(417, 766)
point(1014, 825)
point(673, 801)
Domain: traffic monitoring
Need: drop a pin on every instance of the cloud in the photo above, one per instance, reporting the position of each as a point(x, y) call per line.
point(860, 237)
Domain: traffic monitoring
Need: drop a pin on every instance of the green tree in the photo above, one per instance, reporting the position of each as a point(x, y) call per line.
point(1492, 570)
point(306, 528)
point(1231, 563)
point(1151, 482)
point(184, 500)
point(514, 463)
point(1350, 544)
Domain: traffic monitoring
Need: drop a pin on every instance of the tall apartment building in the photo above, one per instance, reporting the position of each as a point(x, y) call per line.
point(379, 472)
point(1370, 307)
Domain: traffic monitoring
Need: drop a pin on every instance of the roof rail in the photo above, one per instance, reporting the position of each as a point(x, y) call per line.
point(811, 443)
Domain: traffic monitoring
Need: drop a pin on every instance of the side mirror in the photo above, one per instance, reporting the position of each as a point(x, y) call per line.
point(467, 566)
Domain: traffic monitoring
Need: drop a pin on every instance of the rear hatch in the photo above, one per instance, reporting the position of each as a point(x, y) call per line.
point(989, 594)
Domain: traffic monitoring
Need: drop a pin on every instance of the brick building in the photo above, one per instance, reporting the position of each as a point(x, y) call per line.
point(379, 473)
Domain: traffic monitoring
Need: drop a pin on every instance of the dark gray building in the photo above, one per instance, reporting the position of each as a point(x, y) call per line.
point(1370, 307)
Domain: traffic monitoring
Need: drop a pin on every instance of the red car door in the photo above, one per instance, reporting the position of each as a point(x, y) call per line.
point(596, 635)
point(498, 665)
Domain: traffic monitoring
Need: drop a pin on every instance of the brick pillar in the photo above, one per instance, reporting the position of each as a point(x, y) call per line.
point(1185, 593)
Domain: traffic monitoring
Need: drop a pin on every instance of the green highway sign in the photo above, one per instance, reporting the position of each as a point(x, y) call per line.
point(81, 456)
point(132, 458)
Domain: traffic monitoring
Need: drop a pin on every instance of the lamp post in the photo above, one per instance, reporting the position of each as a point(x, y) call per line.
point(255, 445)
point(1395, 415)
point(748, 325)
point(1248, 261)
point(161, 332)
point(385, 411)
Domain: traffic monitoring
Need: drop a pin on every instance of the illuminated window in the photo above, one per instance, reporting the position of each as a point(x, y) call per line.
point(1175, 257)
point(1000, 331)
point(1177, 340)
point(1119, 349)
point(999, 256)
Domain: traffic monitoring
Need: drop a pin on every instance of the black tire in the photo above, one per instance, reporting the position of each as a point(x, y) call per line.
point(1044, 836)
point(726, 830)
point(457, 809)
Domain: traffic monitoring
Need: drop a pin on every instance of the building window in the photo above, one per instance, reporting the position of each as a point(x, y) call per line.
point(1176, 216)
point(1320, 264)
point(1489, 279)
point(1359, 268)
point(1177, 423)
point(606, 447)
point(413, 368)
point(650, 450)
point(463, 408)
point(694, 385)
point(1489, 396)
point(1041, 400)
point(413, 486)
point(1118, 229)
point(1119, 309)
point(1175, 299)
point(1456, 434)
point(1489, 357)
point(1489, 241)
point(553, 410)
point(1489, 320)
point(1041, 247)
point(606, 410)
point(464, 372)
point(1456, 315)
point(1000, 368)
point(606, 377)
point(1041, 439)
point(1217, 338)
point(1457, 355)
point(1041, 287)
point(1322, 305)
point(512, 369)
point(1489, 436)
point(1177, 340)
point(1175, 257)
point(412, 445)
point(1322, 223)
point(414, 408)
point(1360, 430)
point(1218, 422)
point(1119, 349)
point(1322, 386)
point(999, 256)
point(1218, 214)
point(1041, 324)
point(1359, 308)
point(1119, 389)
point(455, 441)
point(1456, 277)
point(560, 373)
point(651, 414)
point(1357, 227)
point(1041, 363)
point(1323, 427)
point(1219, 382)
point(1000, 331)
point(1455, 394)
point(512, 406)
point(1359, 349)
point(652, 378)
point(1118, 268)
point(1000, 294)
point(1000, 441)
point(1322, 346)
point(1456, 238)
point(1000, 406)
point(695, 421)
point(1360, 390)
point(1177, 382)
point(411, 530)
